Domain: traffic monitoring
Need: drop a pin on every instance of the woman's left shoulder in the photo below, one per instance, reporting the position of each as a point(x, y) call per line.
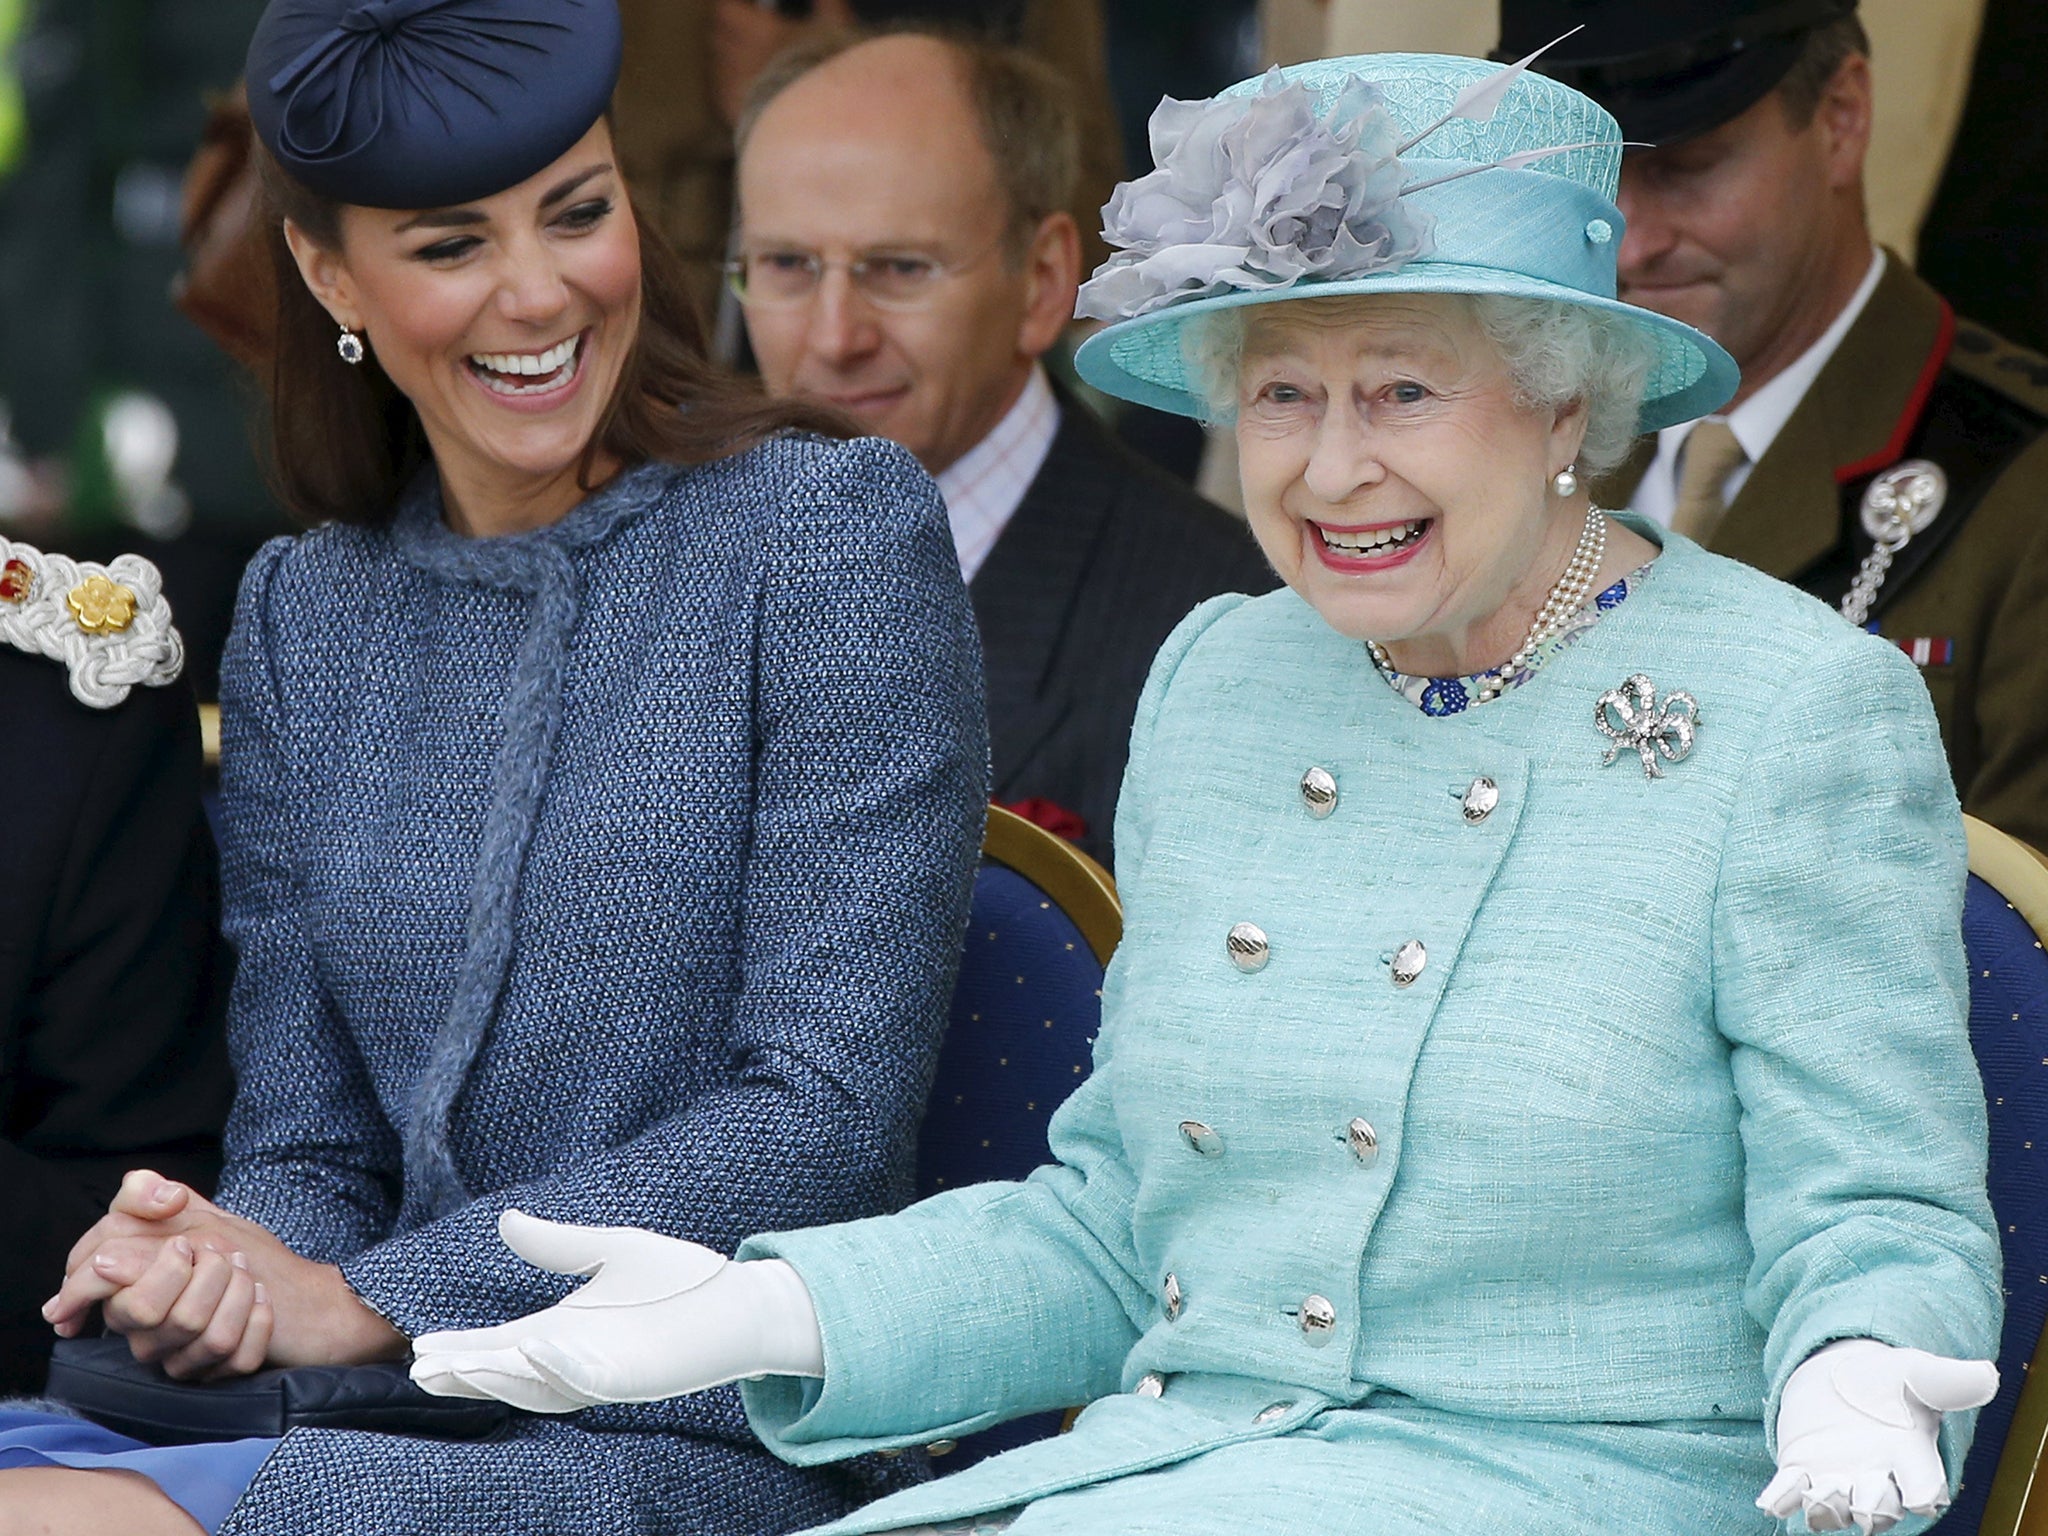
point(866, 483)
point(1747, 628)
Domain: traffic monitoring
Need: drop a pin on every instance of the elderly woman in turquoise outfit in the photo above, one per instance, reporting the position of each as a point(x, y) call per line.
point(1533, 1092)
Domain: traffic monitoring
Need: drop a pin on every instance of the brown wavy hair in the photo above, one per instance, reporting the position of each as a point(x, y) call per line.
point(344, 442)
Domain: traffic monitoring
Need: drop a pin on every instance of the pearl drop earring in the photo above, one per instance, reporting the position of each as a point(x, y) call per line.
point(1566, 481)
point(350, 346)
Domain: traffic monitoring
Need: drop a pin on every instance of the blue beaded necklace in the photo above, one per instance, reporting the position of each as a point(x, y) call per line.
point(1454, 695)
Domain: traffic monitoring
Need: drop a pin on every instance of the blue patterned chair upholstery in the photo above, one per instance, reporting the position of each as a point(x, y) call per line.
point(2004, 919)
point(1025, 1012)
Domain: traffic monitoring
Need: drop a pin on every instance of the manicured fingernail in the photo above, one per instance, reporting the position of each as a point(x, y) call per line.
point(239, 1259)
point(50, 1309)
point(161, 1195)
point(103, 1262)
point(181, 1248)
point(262, 1294)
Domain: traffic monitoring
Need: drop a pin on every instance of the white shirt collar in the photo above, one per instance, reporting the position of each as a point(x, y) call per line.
point(1756, 422)
point(984, 487)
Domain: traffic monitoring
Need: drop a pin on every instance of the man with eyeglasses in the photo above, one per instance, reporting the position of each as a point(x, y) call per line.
point(905, 256)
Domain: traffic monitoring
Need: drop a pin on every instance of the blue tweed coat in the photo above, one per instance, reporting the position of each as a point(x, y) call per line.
point(1681, 1092)
point(617, 871)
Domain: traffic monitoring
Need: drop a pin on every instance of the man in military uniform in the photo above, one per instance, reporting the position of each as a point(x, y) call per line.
point(113, 979)
point(1887, 457)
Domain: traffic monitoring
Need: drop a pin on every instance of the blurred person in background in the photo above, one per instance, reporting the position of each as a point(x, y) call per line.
point(113, 977)
point(123, 428)
point(602, 785)
point(1883, 455)
point(690, 64)
point(905, 255)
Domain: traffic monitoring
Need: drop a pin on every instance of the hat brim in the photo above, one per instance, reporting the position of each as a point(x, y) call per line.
point(1142, 360)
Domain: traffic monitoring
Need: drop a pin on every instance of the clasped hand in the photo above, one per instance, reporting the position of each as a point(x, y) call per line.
point(1858, 1428)
point(658, 1318)
point(205, 1294)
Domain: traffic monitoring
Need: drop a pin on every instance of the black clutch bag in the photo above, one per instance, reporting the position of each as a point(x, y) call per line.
point(100, 1379)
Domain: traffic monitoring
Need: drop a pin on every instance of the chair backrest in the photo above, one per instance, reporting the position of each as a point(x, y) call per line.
point(2005, 921)
point(1025, 1012)
point(1025, 1009)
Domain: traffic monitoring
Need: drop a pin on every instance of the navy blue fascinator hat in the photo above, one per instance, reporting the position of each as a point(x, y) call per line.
point(424, 103)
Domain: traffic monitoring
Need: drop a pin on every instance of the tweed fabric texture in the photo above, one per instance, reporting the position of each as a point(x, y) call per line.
point(615, 871)
point(1682, 1092)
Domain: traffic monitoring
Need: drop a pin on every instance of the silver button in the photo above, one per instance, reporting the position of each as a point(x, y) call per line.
point(942, 1448)
point(1272, 1411)
point(1248, 948)
point(1319, 792)
point(1364, 1141)
point(1171, 1291)
point(1409, 960)
point(1151, 1384)
point(1201, 1138)
point(1318, 1320)
point(1479, 800)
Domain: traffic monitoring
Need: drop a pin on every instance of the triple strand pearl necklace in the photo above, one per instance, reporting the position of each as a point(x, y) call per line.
point(1566, 598)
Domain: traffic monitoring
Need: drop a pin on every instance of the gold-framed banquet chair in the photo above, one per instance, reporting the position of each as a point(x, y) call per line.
point(2004, 1490)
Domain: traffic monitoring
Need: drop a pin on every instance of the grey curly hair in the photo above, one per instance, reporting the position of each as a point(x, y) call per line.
point(1556, 353)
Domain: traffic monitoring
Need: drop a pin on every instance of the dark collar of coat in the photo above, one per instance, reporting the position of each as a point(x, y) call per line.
point(1857, 417)
point(1026, 590)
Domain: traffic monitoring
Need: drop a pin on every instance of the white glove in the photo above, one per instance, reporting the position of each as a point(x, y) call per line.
point(659, 1318)
point(1856, 1434)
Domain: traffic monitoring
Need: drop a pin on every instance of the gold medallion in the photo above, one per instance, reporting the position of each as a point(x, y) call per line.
point(101, 606)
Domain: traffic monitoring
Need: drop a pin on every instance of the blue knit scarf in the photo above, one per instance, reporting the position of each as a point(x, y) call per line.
point(540, 565)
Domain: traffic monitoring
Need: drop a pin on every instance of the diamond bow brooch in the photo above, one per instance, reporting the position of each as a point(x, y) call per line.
point(1629, 716)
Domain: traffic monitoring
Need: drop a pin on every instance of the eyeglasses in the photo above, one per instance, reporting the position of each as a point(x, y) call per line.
point(890, 280)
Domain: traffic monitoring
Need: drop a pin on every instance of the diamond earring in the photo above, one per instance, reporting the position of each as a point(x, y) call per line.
point(350, 346)
point(1566, 481)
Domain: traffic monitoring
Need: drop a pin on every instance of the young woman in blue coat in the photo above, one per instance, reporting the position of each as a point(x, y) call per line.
point(602, 788)
point(1533, 1092)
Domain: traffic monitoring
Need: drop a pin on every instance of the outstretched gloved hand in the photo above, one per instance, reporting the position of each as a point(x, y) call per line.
point(1856, 1434)
point(659, 1318)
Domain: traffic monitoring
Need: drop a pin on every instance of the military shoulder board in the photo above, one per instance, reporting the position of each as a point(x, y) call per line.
point(108, 624)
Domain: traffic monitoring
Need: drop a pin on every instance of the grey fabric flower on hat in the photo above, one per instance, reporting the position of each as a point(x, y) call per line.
point(1255, 192)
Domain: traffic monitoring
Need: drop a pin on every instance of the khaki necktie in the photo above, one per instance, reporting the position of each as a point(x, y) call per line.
point(1710, 455)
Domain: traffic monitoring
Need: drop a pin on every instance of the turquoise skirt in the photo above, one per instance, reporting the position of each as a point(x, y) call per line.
point(202, 1480)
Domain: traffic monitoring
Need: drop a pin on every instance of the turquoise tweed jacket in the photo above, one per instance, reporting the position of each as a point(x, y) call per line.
point(1681, 1092)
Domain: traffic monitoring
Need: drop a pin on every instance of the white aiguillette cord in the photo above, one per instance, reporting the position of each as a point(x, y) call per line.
point(132, 644)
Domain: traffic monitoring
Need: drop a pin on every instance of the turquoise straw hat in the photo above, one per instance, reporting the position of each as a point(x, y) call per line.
point(1387, 173)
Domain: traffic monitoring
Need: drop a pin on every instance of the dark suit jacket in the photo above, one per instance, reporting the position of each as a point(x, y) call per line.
point(1911, 382)
point(1105, 555)
point(112, 977)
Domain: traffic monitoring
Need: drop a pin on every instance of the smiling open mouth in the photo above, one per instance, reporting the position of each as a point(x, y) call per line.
point(1366, 543)
point(528, 373)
